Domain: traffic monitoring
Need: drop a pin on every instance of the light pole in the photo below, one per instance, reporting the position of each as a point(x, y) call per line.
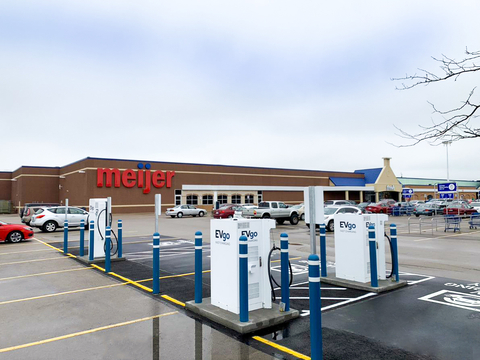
point(446, 143)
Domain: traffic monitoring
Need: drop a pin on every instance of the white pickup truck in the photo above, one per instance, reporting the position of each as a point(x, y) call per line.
point(273, 210)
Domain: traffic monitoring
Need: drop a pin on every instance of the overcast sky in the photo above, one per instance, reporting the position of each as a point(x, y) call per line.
point(286, 84)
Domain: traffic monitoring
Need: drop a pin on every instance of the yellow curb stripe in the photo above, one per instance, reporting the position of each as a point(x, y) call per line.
point(45, 273)
point(175, 301)
point(173, 276)
point(30, 261)
point(23, 252)
point(86, 332)
point(61, 293)
point(282, 348)
point(131, 282)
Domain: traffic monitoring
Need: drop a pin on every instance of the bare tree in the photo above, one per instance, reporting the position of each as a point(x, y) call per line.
point(455, 124)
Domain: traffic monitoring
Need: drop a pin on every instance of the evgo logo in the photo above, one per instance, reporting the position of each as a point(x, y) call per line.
point(347, 225)
point(220, 234)
point(250, 234)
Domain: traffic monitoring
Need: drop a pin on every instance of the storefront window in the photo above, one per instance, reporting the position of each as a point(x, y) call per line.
point(236, 199)
point(249, 199)
point(192, 200)
point(222, 199)
point(207, 200)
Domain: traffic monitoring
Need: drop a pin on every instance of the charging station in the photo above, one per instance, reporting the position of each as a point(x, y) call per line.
point(100, 211)
point(352, 258)
point(224, 242)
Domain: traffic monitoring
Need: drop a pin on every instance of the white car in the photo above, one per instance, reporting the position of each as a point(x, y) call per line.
point(475, 205)
point(331, 211)
point(301, 210)
point(48, 219)
point(185, 210)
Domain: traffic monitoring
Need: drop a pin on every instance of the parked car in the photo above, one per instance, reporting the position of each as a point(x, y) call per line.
point(362, 206)
point(475, 205)
point(185, 210)
point(416, 202)
point(330, 212)
point(338, 202)
point(48, 219)
point(227, 212)
point(300, 209)
point(274, 210)
point(30, 209)
point(382, 207)
point(459, 209)
point(14, 233)
point(428, 209)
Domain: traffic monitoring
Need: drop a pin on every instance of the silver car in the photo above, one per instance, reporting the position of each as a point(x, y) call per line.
point(185, 210)
point(51, 218)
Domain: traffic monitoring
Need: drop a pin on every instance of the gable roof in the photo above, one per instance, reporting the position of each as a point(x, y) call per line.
point(371, 175)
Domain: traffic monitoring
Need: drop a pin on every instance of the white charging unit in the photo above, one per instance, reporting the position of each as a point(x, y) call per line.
point(99, 211)
point(224, 243)
point(352, 252)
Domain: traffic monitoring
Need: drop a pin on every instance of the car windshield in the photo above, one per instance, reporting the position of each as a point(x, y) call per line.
point(330, 210)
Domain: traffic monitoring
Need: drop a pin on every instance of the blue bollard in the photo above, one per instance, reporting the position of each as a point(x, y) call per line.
point(243, 267)
point(108, 240)
point(65, 237)
point(120, 236)
point(393, 239)
point(373, 256)
point(284, 269)
point(90, 243)
point(198, 267)
point(323, 250)
point(156, 263)
point(82, 237)
point(316, 344)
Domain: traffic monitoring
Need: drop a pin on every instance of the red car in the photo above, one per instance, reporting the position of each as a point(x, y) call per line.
point(226, 211)
point(14, 233)
point(459, 209)
point(382, 207)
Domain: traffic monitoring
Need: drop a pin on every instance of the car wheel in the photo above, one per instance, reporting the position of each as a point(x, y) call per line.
point(49, 226)
point(294, 219)
point(230, 216)
point(266, 216)
point(280, 222)
point(201, 214)
point(331, 226)
point(417, 215)
point(179, 215)
point(15, 237)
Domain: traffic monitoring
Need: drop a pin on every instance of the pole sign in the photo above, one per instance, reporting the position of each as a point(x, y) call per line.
point(447, 187)
point(407, 193)
point(446, 195)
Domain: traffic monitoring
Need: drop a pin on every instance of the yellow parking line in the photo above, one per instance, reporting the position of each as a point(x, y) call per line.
point(131, 282)
point(45, 273)
point(50, 246)
point(173, 276)
point(22, 252)
point(29, 261)
point(85, 332)
point(295, 258)
point(175, 301)
point(282, 348)
point(61, 293)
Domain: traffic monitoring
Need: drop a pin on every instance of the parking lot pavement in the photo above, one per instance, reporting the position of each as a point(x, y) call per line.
point(424, 259)
point(53, 307)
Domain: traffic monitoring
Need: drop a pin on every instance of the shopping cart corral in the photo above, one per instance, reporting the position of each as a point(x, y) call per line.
point(452, 222)
point(474, 221)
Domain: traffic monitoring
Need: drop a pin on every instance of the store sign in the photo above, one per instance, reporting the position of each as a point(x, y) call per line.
point(130, 178)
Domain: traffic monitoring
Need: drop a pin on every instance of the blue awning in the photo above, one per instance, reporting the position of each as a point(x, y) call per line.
point(343, 181)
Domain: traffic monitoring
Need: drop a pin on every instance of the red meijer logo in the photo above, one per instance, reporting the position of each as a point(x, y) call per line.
point(129, 178)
